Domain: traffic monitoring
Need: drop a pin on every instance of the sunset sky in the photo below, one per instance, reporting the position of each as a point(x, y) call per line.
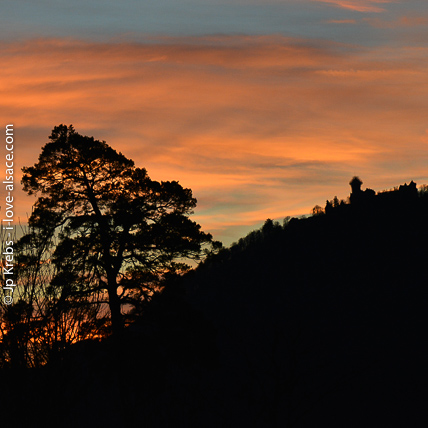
point(263, 108)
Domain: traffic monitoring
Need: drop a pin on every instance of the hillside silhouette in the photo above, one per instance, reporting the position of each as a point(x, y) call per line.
point(327, 314)
point(319, 321)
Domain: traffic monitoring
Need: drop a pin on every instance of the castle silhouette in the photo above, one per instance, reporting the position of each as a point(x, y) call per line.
point(406, 192)
point(402, 196)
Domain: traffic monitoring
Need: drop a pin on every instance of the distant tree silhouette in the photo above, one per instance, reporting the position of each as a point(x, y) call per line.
point(317, 210)
point(113, 232)
point(423, 190)
point(328, 206)
point(269, 227)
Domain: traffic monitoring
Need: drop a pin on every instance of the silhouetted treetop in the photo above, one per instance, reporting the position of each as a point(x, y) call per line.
point(116, 229)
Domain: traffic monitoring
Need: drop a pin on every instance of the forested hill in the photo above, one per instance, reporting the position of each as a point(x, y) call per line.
point(325, 318)
point(356, 242)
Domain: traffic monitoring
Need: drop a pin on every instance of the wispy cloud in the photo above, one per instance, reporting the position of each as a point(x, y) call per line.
point(359, 5)
point(341, 21)
point(402, 22)
point(257, 126)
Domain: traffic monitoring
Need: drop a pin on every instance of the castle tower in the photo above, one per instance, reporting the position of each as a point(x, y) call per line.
point(356, 191)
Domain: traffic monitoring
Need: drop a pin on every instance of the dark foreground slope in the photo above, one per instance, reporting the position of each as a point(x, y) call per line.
point(325, 319)
point(321, 322)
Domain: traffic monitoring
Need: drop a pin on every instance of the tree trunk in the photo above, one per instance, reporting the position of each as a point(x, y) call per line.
point(115, 310)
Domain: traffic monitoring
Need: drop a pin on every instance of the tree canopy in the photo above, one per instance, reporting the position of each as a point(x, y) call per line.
point(114, 233)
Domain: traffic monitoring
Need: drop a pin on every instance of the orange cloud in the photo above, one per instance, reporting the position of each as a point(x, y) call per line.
point(359, 5)
point(257, 126)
